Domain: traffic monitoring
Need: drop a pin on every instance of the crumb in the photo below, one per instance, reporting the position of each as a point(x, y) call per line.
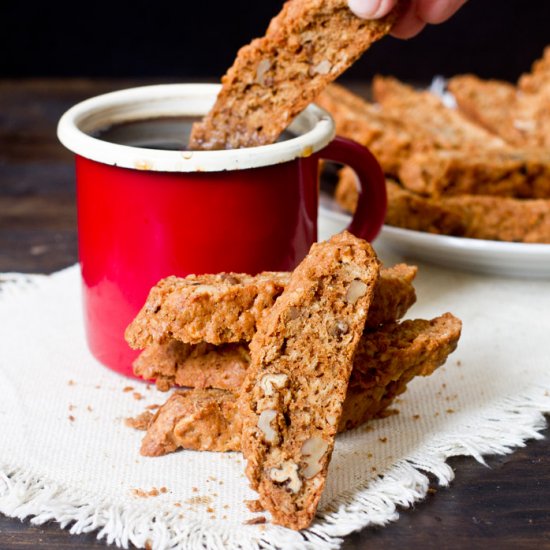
point(154, 492)
point(369, 455)
point(373, 468)
point(432, 491)
point(383, 439)
point(137, 396)
point(72, 407)
point(181, 516)
point(436, 414)
point(71, 418)
point(224, 517)
point(148, 387)
point(226, 506)
point(71, 383)
point(163, 490)
point(153, 407)
point(97, 387)
point(210, 510)
point(194, 489)
point(221, 482)
point(459, 363)
point(212, 478)
point(148, 545)
point(387, 412)
point(416, 416)
point(450, 411)
point(177, 504)
point(199, 500)
point(254, 506)
point(443, 385)
point(139, 422)
point(127, 389)
point(89, 408)
point(255, 521)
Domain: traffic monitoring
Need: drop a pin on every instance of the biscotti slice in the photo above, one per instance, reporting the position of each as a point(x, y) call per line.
point(226, 308)
point(488, 103)
point(388, 359)
point(515, 174)
point(201, 366)
point(385, 362)
point(522, 119)
point(306, 46)
point(203, 420)
point(471, 216)
point(217, 309)
point(302, 357)
point(405, 209)
point(385, 136)
point(429, 120)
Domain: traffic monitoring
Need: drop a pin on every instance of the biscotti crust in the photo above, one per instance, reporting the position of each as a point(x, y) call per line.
point(302, 356)
point(306, 46)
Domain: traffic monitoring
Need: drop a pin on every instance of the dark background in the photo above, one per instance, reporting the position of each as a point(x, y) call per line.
point(197, 39)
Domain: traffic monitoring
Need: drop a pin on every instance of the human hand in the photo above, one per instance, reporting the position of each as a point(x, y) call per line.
point(418, 14)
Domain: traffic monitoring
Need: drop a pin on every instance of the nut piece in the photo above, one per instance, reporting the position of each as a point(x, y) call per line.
point(356, 289)
point(269, 382)
point(288, 472)
point(322, 67)
point(313, 450)
point(263, 66)
point(339, 329)
point(264, 423)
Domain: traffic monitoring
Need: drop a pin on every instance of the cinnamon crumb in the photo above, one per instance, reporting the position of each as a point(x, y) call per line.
point(450, 411)
point(255, 521)
point(163, 490)
point(127, 389)
point(432, 491)
point(177, 504)
point(416, 416)
point(194, 489)
point(210, 510)
point(152, 407)
point(72, 418)
point(137, 396)
point(71, 383)
point(154, 492)
point(140, 422)
point(383, 439)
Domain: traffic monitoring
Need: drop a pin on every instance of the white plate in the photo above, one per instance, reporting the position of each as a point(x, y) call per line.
point(490, 257)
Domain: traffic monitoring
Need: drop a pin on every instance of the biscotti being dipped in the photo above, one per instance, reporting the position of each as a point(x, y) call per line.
point(306, 46)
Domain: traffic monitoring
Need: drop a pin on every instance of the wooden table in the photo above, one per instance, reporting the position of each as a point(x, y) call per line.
point(506, 505)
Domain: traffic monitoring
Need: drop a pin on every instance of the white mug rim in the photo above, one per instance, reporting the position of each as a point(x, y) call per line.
point(314, 126)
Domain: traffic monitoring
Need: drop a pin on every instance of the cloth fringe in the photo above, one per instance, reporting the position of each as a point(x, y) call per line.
point(498, 430)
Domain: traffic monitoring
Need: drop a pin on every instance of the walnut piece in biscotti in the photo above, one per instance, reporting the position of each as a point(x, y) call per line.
point(302, 356)
point(386, 360)
point(306, 46)
point(226, 308)
point(215, 309)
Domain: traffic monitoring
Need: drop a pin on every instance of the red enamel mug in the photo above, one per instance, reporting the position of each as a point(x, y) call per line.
point(145, 214)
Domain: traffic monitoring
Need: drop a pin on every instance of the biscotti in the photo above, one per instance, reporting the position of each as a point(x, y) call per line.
point(384, 363)
point(306, 46)
point(471, 216)
point(225, 308)
point(216, 309)
point(301, 361)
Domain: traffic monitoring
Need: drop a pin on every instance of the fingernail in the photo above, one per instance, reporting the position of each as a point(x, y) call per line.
point(365, 8)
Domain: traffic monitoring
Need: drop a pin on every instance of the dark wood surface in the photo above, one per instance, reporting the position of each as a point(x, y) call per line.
point(503, 506)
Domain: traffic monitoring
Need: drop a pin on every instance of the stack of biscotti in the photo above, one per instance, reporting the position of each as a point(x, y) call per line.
point(480, 171)
point(276, 364)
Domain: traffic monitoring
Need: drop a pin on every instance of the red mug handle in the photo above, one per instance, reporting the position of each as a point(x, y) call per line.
point(371, 206)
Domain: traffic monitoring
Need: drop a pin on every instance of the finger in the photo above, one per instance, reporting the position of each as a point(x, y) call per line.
point(371, 9)
point(409, 24)
point(437, 11)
